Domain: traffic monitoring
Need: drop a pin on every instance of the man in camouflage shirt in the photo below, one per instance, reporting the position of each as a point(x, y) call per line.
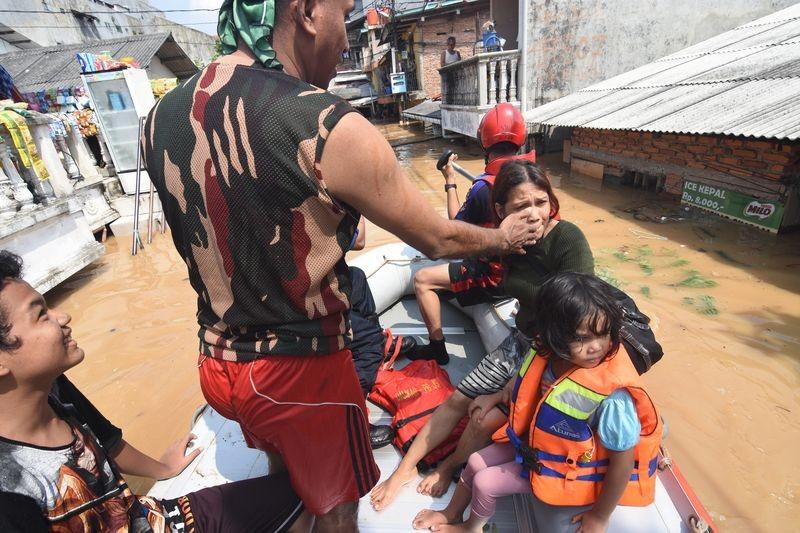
point(263, 176)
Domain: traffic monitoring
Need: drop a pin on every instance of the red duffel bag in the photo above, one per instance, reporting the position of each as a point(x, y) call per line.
point(411, 395)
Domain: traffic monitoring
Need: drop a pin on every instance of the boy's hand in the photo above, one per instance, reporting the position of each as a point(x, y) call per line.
point(175, 458)
point(591, 522)
point(448, 171)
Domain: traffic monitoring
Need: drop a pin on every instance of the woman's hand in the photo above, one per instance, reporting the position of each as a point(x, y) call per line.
point(482, 405)
point(448, 171)
point(591, 522)
point(175, 459)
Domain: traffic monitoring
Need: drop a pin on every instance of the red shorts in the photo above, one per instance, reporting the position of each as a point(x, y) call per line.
point(310, 410)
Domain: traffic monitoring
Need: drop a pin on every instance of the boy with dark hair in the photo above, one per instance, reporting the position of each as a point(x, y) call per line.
point(57, 449)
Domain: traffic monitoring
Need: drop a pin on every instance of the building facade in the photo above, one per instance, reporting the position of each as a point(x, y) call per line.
point(42, 23)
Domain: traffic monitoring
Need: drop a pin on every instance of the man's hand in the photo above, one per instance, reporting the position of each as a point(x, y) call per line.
point(519, 230)
point(175, 458)
point(448, 171)
point(591, 522)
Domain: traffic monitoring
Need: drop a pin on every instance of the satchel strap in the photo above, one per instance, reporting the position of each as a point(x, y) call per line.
point(387, 365)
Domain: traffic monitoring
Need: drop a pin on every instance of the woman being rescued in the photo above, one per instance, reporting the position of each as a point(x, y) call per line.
point(561, 247)
point(586, 431)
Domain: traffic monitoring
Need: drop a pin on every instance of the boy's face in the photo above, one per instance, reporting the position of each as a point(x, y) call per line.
point(589, 349)
point(45, 347)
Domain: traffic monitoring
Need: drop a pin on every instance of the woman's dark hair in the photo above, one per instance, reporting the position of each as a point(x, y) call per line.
point(10, 268)
point(516, 172)
point(565, 302)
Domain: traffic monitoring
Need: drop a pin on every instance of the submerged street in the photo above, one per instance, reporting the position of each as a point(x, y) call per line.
point(724, 300)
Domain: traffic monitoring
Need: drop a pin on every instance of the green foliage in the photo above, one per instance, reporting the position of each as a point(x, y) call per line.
point(696, 281)
point(645, 290)
point(646, 267)
point(679, 263)
point(705, 305)
point(607, 275)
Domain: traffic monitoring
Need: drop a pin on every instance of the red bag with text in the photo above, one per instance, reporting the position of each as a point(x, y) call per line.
point(411, 395)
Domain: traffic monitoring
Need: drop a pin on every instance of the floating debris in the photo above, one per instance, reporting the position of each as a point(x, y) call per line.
point(607, 275)
point(705, 305)
point(724, 255)
point(646, 267)
point(696, 280)
point(641, 234)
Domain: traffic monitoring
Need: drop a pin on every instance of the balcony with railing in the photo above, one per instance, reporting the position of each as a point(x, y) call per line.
point(473, 85)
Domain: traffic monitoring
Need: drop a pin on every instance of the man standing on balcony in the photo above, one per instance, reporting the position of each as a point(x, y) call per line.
point(263, 176)
point(450, 55)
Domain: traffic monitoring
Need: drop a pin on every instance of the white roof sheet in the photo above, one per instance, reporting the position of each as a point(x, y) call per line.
point(742, 82)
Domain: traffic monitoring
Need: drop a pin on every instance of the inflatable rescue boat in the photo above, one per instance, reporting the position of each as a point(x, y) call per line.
point(471, 333)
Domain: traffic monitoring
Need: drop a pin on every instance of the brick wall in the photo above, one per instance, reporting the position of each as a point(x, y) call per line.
point(678, 156)
point(431, 38)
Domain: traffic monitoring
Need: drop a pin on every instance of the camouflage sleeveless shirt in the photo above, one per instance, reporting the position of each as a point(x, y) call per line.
point(234, 154)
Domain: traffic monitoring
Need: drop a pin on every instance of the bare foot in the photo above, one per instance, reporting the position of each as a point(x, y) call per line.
point(435, 484)
point(427, 518)
point(456, 528)
point(384, 493)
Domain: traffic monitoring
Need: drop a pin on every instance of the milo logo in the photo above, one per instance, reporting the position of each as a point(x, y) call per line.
point(757, 209)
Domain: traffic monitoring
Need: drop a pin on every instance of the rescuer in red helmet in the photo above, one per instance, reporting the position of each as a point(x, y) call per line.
point(501, 133)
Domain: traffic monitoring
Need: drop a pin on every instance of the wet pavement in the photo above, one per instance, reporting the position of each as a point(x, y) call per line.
point(724, 301)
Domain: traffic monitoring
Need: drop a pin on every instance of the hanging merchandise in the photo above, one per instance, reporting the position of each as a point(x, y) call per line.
point(162, 86)
point(87, 122)
point(12, 119)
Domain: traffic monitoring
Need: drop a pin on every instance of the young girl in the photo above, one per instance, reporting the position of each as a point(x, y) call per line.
point(586, 433)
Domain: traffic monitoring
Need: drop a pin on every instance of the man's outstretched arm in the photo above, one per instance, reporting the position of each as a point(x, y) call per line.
point(361, 169)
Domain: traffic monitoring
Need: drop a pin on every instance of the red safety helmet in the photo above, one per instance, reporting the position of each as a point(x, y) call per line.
point(502, 123)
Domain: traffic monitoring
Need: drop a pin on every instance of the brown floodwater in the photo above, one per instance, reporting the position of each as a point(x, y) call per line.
point(724, 300)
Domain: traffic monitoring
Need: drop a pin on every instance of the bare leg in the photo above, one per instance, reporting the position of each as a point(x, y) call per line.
point(473, 525)
point(303, 524)
point(341, 519)
point(452, 514)
point(438, 428)
point(475, 437)
point(275, 464)
point(426, 281)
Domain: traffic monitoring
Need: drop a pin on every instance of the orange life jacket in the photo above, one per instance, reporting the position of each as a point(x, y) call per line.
point(563, 458)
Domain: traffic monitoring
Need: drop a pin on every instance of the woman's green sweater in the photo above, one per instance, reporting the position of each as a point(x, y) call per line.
point(564, 249)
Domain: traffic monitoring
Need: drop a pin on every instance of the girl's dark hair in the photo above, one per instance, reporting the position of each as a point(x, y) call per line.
point(565, 302)
point(516, 172)
point(10, 268)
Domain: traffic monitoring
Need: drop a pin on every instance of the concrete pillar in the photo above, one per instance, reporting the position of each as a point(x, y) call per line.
point(483, 90)
point(492, 83)
point(503, 80)
point(512, 90)
point(8, 205)
point(67, 161)
point(79, 152)
point(19, 188)
point(47, 151)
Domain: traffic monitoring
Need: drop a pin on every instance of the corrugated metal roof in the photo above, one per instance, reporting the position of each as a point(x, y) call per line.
point(428, 111)
point(56, 66)
point(745, 81)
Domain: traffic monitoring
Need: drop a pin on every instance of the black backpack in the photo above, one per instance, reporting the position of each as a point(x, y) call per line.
point(636, 335)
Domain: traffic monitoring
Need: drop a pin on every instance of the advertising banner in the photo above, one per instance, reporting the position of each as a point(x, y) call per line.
point(764, 214)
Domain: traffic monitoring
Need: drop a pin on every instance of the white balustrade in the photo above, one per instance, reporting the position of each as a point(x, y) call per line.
point(481, 80)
